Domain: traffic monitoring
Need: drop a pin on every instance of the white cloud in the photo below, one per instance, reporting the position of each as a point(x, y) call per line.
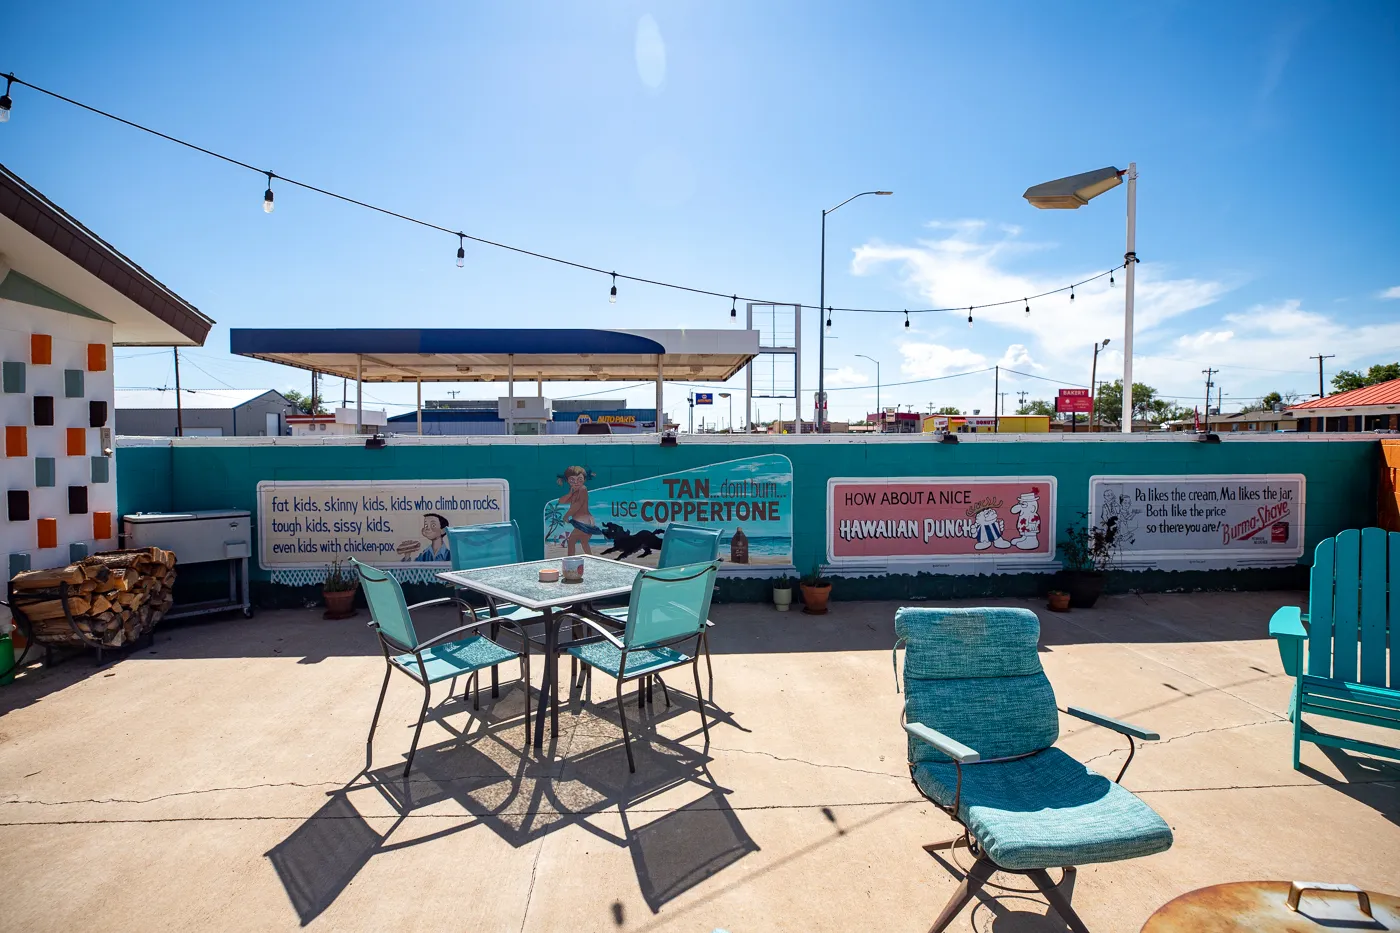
point(650, 51)
point(847, 376)
point(931, 360)
point(1391, 292)
point(1017, 356)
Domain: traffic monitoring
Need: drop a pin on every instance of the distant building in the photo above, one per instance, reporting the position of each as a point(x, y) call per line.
point(482, 416)
point(1371, 408)
point(341, 421)
point(1269, 422)
point(204, 412)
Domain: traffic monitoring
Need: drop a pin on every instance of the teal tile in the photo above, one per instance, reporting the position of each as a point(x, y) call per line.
point(45, 471)
point(18, 563)
point(101, 470)
point(13, 376)
point(73, 383)
point(77, 551)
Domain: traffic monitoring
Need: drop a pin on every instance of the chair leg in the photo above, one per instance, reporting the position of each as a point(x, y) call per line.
point(1057, 900)
point(422, 715)
point(525, 684)
point(709, 668)
point(495, 668)
point(664, 692)
point(699, 700)
point(651, 685)
point(622, 716)
point(369, 742)
point(641, 693)
point(476, 690)
point(977, 875)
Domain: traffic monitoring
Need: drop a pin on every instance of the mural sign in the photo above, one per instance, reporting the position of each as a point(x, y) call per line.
point(749, 501)
point(1237, 520)
point(941, 518)
point(388, 523)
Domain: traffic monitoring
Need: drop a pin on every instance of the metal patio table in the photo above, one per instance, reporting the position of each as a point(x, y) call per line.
point(520, 584)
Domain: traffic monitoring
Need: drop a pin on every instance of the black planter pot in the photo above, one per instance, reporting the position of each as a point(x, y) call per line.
point(1083, 586)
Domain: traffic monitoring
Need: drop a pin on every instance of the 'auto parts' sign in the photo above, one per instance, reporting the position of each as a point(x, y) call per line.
point(1236, 520)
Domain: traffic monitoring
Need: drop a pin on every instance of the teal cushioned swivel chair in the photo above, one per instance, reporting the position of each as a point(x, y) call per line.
point(490, 544)
point(981, 723)
point(1352, 613)
point(667, 608)
point(448, 656)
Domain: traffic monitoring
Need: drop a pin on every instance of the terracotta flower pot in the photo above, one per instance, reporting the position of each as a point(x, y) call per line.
point(340, 604)
point(1059, 601)
point(814, 598)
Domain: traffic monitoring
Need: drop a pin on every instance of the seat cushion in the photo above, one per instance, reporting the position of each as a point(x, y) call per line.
point(456, 658)
point(1047, 810)
point(605, 656)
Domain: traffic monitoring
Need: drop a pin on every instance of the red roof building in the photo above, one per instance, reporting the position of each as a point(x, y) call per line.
point(1370, 408)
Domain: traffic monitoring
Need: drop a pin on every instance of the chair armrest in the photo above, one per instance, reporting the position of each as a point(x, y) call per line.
point(447, 636)
point(433, 602)
point(617, 642)
point(1117, 725)
point(954, 749)
point(1287, 628)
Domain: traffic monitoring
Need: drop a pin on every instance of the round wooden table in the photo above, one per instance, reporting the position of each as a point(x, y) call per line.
point(1276, 907)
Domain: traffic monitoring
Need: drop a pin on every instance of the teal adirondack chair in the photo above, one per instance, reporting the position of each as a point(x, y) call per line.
point(462, 652)
point(668, 607)
point(1336, 653)
point(982, 723)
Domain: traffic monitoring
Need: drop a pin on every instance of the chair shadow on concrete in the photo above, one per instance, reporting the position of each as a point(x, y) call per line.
point(1014, 903)
point(522, 799)
point(1370, 781)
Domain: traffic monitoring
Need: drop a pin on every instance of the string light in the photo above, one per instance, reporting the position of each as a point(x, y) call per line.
point(828, 317)
point(268, 203)
point(734, 308)
point(969, 317)
point(461, 250)
point(1111, 283)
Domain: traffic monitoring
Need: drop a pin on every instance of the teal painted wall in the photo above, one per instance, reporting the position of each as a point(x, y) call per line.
point(1341, 474)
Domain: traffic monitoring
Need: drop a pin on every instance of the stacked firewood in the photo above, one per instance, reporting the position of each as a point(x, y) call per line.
point(114, 597)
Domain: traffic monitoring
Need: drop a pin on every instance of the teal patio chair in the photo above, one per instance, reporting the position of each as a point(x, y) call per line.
point(490, 545)
point(448, 656)
point(1336, 653)
point(981, 721)
point(667, 607)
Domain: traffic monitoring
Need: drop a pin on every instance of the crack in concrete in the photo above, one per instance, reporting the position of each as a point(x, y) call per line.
point(814, 764)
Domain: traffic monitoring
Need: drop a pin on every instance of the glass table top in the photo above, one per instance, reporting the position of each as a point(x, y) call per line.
point(520, 583)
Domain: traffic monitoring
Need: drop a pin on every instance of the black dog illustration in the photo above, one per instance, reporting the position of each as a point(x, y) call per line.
point(626, 543)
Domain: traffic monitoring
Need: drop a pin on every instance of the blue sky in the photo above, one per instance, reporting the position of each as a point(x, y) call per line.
point(698, 143)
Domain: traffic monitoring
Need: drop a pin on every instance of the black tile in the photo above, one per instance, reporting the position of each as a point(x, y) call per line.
point(43, 410)
point(97, 414)
point(18, 502)
point(77, 500)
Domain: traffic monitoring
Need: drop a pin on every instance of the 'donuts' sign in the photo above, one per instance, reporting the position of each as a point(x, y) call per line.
point(387, 523)
point(1233, 519)
point(917, 519)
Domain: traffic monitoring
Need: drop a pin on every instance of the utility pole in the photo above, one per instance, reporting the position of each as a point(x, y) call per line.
point(1021, 397)
point(690, 397)
point(1321, 392)
point(996, 394)
point(1209, 385)
point(179, 411)
point(1003, 401)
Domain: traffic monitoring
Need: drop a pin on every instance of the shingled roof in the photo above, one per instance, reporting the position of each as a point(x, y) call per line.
point(1382, 393)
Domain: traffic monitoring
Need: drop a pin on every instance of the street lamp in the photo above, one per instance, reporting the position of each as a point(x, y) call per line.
point(730, 396)
point(1094, 385)
point(1074, 192)
point(877, 381)
point(821, 342)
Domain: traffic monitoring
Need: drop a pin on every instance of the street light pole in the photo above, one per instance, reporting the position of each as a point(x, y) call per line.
point(821, 323)
point(1094, 385)
point(878, 410)
point(730, 396)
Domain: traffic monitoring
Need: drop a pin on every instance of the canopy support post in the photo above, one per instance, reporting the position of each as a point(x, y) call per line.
point(510, 394)
point(660, 403)
point(420, 406)
point(359, 384)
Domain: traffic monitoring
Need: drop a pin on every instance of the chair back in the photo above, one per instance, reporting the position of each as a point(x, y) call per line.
point(669, 603)
point(387, 607)
point(488, 545)
point(688, 544)
point(1351, 610)
point(975, 675)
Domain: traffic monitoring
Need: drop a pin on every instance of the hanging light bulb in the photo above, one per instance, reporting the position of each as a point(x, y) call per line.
point(267, 195)
point(906, 318)
point(1111, 283)
point(5, 101)
point(461, 251)
point(734, 308)
point(969, 317)
point(828, 316)
point(1028, 305)
point(612, 295)
point(1071, 293)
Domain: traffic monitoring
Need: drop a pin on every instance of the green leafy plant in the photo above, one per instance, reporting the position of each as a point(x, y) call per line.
point(783, 582)
point(338, 580)
point(814, 576)
point(1091, 547)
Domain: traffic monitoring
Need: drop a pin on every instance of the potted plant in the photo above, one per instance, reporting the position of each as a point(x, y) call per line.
point(816, 591)
point(339, 591)
point(782, 593)
point(1088, 551)
point(1059, 601)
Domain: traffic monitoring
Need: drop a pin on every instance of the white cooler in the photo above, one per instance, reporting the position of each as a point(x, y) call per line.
point(199, 538)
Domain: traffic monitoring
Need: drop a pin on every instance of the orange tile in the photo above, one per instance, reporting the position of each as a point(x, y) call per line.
point(102, 525)
point(97, 357)
point(40, 349)
point(48, 532)
point(77, 442)
point(16, 440)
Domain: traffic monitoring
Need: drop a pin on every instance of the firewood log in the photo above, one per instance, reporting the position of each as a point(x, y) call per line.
point(39, 579)
point(100, 604)
point(53, 608)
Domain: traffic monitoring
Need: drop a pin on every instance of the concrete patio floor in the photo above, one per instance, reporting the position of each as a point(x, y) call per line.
point(217, 782)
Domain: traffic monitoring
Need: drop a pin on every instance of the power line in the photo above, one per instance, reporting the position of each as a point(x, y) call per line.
point(462, 236)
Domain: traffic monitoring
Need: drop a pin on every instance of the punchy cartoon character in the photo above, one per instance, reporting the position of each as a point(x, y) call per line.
point(988, 530)
point(1027, 512)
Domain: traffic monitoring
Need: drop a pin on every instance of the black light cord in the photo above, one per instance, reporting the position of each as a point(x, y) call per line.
point(307, 186)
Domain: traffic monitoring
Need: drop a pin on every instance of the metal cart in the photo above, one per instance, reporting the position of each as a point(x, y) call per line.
point(199, 538)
